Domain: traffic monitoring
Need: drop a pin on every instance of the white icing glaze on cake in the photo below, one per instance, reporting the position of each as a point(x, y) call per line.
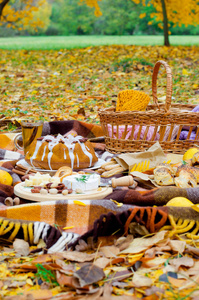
point(82, 183)
point(68, 141)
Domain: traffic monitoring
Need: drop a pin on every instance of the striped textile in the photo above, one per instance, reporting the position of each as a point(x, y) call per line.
point(50, 220)
point(10, 155)
point(61, 224)
point(157, 196)
point(64, 213)
point(55, 240)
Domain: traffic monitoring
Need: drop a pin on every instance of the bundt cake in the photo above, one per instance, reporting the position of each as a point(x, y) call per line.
point(52, 152)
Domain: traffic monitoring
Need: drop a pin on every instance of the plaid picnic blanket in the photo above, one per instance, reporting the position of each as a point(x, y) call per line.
point(47, 219)
point(62, 224)
point(156, 196)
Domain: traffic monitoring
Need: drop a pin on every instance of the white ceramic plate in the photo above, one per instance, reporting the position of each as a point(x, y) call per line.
point(24, 163)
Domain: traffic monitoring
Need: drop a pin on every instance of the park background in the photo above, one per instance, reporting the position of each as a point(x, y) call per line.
point(66, 17)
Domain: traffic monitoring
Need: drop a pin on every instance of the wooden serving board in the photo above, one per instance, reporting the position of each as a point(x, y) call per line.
point(25, 192)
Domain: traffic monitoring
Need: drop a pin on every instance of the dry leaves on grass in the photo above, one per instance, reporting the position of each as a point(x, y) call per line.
point(75, 84)
point(149, 268)
point(140, 244)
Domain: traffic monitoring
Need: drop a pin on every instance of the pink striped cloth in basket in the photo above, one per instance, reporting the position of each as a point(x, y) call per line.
point(129, 130)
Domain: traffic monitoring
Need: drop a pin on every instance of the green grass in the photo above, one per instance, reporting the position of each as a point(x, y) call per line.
point(69, 42)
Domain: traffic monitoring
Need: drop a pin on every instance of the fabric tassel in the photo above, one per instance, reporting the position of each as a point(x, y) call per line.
point(32, 232)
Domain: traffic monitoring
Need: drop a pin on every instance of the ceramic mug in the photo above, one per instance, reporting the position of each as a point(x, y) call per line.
point(31, 131)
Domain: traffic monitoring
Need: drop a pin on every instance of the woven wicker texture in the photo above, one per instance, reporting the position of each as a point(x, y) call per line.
point(130, 131)
point(132, 100)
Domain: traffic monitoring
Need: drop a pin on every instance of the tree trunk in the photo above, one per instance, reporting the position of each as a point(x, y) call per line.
point(165, 23)
point(2, 5)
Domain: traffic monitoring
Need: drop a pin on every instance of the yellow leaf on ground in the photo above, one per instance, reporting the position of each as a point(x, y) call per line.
point(29, 281)
point(184, 72)
point(40, 294)
point(133, 258)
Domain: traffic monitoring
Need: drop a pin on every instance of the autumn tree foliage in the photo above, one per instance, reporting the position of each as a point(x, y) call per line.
point(168, 13)
point(173, 13)
point(22, 14)
point(94, 4)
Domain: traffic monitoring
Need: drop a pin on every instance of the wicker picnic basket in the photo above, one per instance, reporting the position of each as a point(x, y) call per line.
point(136, 131)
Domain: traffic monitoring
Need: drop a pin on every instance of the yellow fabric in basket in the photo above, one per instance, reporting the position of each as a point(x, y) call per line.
point(132, 100)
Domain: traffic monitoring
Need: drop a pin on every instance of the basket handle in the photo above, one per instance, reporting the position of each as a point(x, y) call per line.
point(169, 84)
